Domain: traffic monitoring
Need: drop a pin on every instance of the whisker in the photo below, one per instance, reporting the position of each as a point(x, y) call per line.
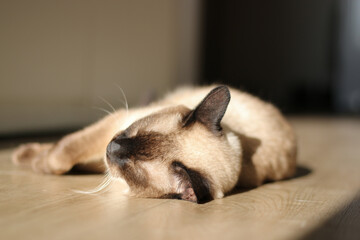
point(104, 110)
point(123, 102)
point(124, 96)
point(105, 101)
point(108, 179)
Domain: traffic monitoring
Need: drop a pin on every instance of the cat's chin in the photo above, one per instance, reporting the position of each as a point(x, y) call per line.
point(120, 185)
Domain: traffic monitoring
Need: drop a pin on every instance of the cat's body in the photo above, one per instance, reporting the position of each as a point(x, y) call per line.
point(177, 148)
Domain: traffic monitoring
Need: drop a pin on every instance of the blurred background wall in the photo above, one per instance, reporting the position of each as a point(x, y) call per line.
point(59, 58)
point(62, 60)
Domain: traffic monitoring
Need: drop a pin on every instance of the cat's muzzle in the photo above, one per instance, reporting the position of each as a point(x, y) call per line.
point(116, 153)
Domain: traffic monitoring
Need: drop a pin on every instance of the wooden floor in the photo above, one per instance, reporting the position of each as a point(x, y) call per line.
point(321, 202)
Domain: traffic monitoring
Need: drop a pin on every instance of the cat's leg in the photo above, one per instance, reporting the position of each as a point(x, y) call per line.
point(83, 147)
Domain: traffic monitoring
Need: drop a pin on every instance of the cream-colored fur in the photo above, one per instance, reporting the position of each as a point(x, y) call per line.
point(257, 144)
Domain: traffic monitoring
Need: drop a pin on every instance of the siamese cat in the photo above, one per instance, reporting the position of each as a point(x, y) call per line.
point(196, 144)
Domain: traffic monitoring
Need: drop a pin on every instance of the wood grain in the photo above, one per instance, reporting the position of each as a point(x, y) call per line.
point(322, 202)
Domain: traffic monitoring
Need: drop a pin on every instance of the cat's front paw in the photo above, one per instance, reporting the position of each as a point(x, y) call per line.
point(25, 154)
point(43, 158)
point(51, 162)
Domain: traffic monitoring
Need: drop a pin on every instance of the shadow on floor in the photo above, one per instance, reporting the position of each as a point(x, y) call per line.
point(344, 225)
point(14, 140)
point(301, 171)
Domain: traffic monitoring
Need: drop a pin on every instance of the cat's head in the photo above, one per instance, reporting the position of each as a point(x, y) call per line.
point(178, 152)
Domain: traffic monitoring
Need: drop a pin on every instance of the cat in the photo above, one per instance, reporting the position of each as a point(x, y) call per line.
point(196, 144)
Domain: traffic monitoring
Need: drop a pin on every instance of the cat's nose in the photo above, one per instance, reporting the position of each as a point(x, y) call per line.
point(115, 153)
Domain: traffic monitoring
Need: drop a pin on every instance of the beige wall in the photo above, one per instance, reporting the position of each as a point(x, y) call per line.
point(58, 57)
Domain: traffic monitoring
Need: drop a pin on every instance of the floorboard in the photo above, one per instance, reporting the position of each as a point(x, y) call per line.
point(321, 202)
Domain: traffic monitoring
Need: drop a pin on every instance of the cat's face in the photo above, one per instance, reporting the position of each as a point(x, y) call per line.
point(174, 153)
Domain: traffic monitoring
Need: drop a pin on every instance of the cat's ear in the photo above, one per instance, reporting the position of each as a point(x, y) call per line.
point(211, 109)
point(191, 185)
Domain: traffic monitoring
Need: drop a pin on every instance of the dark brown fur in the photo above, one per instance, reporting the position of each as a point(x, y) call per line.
point(194, 179)
point(210, 110)
point(146, 146)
